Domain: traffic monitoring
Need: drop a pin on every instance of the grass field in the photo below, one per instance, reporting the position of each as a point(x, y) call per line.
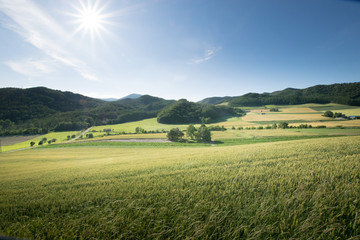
point(305, 189)
point(150, 124)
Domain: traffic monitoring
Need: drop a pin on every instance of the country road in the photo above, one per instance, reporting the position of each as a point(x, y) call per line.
point(81, 134)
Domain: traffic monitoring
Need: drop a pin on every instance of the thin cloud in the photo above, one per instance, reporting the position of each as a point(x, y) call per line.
point(40, 30)
point(209, 54)
point(30, 67)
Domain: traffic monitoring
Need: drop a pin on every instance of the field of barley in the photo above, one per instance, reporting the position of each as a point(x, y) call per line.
point(303, 189)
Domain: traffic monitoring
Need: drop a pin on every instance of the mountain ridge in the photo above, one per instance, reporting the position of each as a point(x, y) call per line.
point(342, 93)
point(40, 109)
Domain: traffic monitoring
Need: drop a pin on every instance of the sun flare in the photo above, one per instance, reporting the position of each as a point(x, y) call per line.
point(91, 19)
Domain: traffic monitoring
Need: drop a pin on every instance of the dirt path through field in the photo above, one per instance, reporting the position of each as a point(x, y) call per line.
point(81, 134)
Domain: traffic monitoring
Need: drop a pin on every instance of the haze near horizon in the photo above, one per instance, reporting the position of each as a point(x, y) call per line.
point(178, 49)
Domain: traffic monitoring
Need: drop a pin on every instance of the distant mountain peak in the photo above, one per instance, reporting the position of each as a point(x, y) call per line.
point(131, 96)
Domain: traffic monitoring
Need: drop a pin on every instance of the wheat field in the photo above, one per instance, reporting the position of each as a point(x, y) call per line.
point(305, 189)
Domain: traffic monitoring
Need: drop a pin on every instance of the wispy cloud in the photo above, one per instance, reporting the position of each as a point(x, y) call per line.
point(30, 67)
point(40, 30)
point(209, 54)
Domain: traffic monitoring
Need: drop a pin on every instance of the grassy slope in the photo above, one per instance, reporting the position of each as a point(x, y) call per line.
point(59, 136)
point(307, 189)
point(147, 124)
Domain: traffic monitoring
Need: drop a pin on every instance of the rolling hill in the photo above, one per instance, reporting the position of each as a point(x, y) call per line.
point(344, 93)
point(38, 110)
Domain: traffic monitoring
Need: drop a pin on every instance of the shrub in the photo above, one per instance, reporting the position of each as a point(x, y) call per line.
point(90, 135)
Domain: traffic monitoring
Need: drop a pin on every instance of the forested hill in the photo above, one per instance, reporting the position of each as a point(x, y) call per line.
point(184, 112)
point(38, 110)
point(24, 104)
point(344, 93)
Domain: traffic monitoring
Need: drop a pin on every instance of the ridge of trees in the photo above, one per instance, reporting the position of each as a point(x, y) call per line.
point(40, 110)
point(341, 93)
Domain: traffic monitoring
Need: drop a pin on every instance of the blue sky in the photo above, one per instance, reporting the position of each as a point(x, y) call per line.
point(178, 48)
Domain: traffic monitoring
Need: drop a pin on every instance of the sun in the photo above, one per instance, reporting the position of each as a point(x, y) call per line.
point(91, 19)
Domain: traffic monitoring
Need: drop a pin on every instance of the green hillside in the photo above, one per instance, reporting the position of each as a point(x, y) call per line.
point(344, 93)
point(39, 110)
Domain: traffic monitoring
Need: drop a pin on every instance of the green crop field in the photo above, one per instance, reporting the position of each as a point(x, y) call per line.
point(246, 184)
point(304, 189)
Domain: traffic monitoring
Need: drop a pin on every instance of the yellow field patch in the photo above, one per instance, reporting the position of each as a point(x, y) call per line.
point(297, 110)
point(233, 122)
point(349, 112)
point(348, 123)
point(283, 117)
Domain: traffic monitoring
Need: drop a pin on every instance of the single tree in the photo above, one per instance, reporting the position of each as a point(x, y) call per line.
point(283, 125)
point(203, 134)
point(32, 144)
point(190, 132)
point(328, 114)
point(175, 135)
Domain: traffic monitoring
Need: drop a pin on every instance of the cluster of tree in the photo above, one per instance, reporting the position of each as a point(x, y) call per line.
point(89, 135)
point(139, 130)
point(43, 141)
point(217, 128)
point(333, 115)
point(274, 109)
point(202, 134)
point(184, 112)
point(40, 110)
point(344, 93)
